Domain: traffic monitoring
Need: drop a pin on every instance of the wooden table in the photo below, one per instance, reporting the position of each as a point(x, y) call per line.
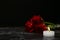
point(18, 33)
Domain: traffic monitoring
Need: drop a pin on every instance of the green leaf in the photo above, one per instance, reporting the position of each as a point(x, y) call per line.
point(51, 25)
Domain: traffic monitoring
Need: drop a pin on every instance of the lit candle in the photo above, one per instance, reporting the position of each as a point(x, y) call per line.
point(48, 33)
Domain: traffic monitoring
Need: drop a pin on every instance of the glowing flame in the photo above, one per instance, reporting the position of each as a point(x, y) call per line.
point(48, 29)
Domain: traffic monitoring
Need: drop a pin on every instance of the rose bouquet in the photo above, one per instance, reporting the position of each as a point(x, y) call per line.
point(37, 24)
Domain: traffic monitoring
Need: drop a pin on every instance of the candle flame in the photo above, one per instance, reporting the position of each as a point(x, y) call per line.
point(48, 29)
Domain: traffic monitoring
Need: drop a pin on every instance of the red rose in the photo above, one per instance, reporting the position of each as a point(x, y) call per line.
point(35, 24)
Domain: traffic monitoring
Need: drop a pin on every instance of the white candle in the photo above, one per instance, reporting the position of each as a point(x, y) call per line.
point(48, 33)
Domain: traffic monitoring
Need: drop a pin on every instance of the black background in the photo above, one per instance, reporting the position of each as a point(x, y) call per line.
point(19, 11)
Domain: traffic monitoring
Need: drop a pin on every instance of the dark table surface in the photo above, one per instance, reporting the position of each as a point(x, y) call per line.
point(17, 33)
